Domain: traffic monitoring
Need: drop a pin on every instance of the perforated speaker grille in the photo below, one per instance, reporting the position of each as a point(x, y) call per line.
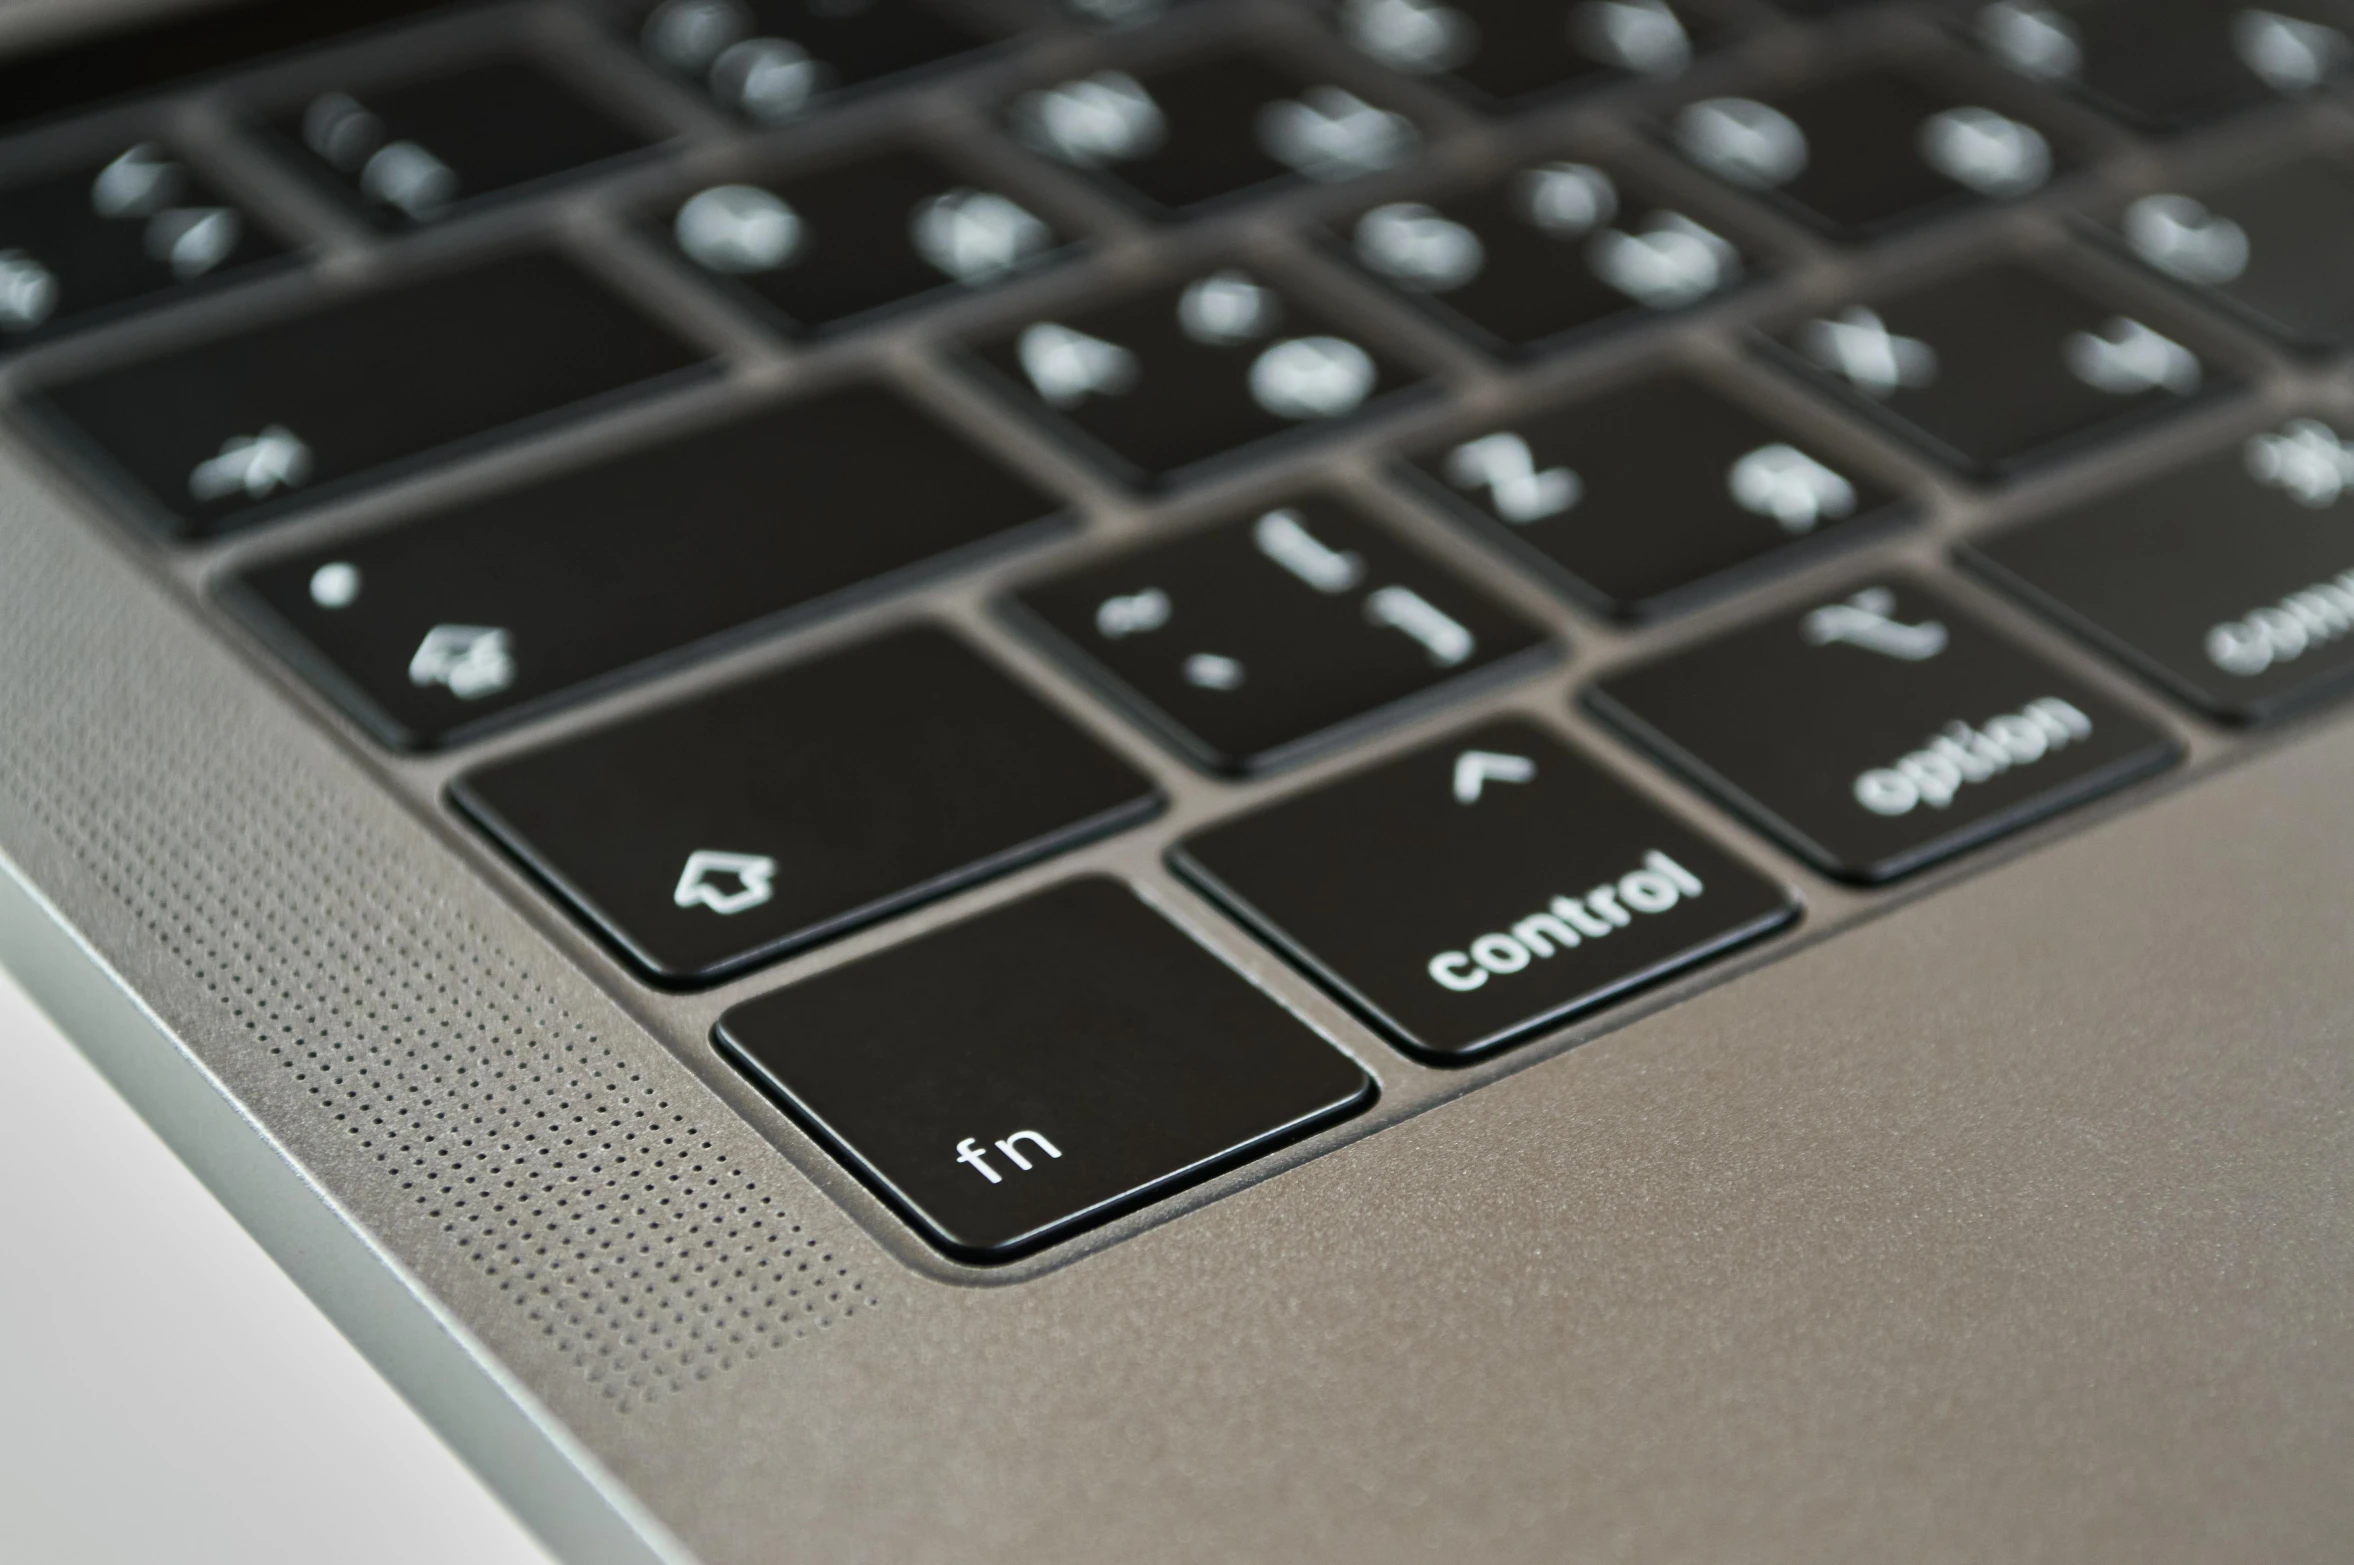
point(559, 1166)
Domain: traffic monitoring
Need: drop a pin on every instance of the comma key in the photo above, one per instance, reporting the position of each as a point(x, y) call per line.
point(1008, 1081)
point(1514, 886)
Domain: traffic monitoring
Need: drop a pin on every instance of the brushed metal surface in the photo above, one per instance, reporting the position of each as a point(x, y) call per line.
point(2004, 1222)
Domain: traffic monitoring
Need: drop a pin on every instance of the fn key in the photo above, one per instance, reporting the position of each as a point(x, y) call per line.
point(1010, 1080)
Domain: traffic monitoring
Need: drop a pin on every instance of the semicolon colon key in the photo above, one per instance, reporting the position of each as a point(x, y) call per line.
point(1479, 891)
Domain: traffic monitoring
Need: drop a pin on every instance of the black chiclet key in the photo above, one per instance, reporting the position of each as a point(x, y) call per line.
point(771, 61)
point(1181, 138)
point(1013, 1079)
point(772, 814)
point(1649, 496)
point(412, 151)
point(1551, 251)
point(828, 247)
point(1479, 891)
point(1869, 151)
point(1882, 731)
point(214, 436)
point(433, 630)
point(2170, 65)
point(1167, 380)
point(136, 228)
point(2229, 580)
point(1999, 368)
point(1249, 644)
point(2269, 245)
point(1510, 52)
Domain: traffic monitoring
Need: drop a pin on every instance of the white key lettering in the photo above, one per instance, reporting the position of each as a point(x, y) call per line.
point(1960, 756)
point(1566, 200)
point(768, 79)
point(2126, 359)
point(1418, 37)
point(1134, 614)
point(2292, 56)
point(2032, 39)
point(1067, 367)
point(469, 661)
point(193, 240)
point(738, 229)
point(28, 291)
point(1282, 536)
point(1990, 153)
point(1330, 134)
point(1659, 886)
point(2285, 631)
point(1784, 483)
point(256, 466)
point(725, 883)
point(1404, 609)
point(1213, 671)
point(1857, 344)
point(1312, 377)
point(2306, 461)
point(2181, 238)
point(1672, 263)
point(977, 236)
point(1504, 465)
point(1416, 247)
point(1642, 37)
point(1742, 142)
point(1094, 122)
point(140, 183)
point(335, 585)
point(1225, 308)
point(1863, 621)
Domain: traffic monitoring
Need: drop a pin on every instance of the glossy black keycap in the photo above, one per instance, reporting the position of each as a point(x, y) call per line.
point(1476, 892)
point(1882, 731)
point(1010, 1080)
point(1181, 137)
point(211, 437)
point(2269, 245)
point(769, 815)
point(891, 228)
point(580, 577)
point(136, 228)
point(2000, 367)
point(2229, 580)
point(770, 60)
point(1547, 252)
point(1868, 151)
point(2167, 65)
point(1248, 643)
point(1168, 379)
point(1647, 496)
point(411, 151)
point(1510, 51)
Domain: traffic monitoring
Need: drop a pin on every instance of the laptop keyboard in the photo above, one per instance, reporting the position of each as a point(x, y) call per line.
point(946, 528)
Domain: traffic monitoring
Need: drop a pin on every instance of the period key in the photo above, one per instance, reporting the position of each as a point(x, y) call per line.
point(1476, 892)
point(1010, 1080)
point(1881, 730)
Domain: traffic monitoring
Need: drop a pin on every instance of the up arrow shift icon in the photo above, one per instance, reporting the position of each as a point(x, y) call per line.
point(1475, 769)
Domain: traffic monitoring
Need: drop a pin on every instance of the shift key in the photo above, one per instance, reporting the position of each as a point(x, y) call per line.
point(272, 416)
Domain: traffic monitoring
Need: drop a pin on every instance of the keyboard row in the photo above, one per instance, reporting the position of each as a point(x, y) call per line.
point(1873, 733)
point(1861, 147)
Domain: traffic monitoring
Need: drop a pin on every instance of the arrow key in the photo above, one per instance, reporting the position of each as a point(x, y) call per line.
point(1479, 891)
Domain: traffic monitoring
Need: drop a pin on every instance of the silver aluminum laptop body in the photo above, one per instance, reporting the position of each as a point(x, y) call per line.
point(2001, 1215)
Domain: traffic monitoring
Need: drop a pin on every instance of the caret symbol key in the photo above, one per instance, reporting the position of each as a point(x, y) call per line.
point(1475, 769)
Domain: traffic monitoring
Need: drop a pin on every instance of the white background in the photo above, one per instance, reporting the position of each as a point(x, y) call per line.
point(167, 1396)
